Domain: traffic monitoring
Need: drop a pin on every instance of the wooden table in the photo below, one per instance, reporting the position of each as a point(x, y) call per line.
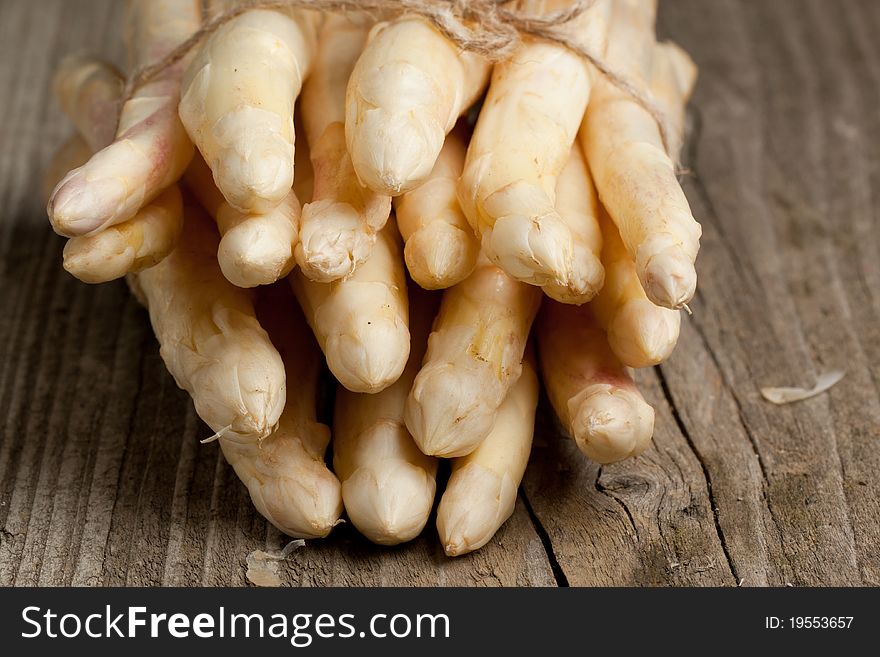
point(103, 480)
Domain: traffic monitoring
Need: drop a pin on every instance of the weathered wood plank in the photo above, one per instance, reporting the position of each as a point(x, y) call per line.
point(783, 158)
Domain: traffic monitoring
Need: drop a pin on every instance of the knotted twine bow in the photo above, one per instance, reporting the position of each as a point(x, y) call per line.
point(486, 27)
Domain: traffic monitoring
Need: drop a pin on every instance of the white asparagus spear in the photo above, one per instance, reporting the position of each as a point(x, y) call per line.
point(405, 93)
point(338, 226)
point(474, 355)
point(634, 174)
point(520, 145)
point(440, 246)
point(255, 249)
point(640, 333)
point(578, 208)
point(238, 100)
point(388, 485)
point(361, 322)
point(481, 493)
point(285, 473)
point(592, 393)
point(132, 246)
point(210, 338)
point(151, 149)
point(88, 91)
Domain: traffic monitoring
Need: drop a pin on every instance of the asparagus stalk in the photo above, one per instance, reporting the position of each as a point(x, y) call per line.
point(639, 332)
point(590, 390)
point(255, 249)
point(151, 149)
point(388, 485)
point(578, 209)
point(238, 100)
point(440, 246)
point(210, 338)
point(634, 174)
point(285, 473)
point(361, 322)
point(474, 355)
point(481, 493)
point(88, 91)
point(520, 145)
point(339, 224)
point(405, 93)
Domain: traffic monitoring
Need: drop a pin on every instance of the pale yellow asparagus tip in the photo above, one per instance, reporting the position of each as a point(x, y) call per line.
point(390, 503)
point(447, 414)
point(591, 391)
point(361, 322)
point(668, 276)
point(370, 355)
point(131, 246)
point(238, 99)
point(441, 248)
point(440, 255)
point(533, 247)
point(642, 334)
point(327, 255)
point(258, 249)
point(481, 493)
point(611, 424)
point(289, 485)
point(405, 93)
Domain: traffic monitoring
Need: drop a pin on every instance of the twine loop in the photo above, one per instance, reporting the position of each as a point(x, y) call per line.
point(489, 28)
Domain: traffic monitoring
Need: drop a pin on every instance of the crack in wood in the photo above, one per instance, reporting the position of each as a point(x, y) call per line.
point(597, 484)
point(667, 394)
point(558, 573)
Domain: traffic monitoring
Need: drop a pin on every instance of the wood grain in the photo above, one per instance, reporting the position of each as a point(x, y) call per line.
point(103, 480)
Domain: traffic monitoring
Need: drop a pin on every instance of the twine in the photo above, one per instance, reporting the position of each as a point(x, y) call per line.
point(485, 27)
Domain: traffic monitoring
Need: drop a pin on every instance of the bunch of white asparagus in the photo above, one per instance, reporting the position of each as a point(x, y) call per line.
point(293, 182)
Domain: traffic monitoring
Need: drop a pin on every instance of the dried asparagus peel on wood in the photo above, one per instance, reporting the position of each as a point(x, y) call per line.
point(362, 322)
point(388, 484)
point(285, 473)
point(634, 174)
point(151, 149)
point(592, 393)
point(210, 338)
point(474, 355)
point(405, 93)
point(520, 145)
point(440, 246)
point(481, 492)
point(89, 91)
point(238, 100)
point(255, 249)
point(339, 223)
